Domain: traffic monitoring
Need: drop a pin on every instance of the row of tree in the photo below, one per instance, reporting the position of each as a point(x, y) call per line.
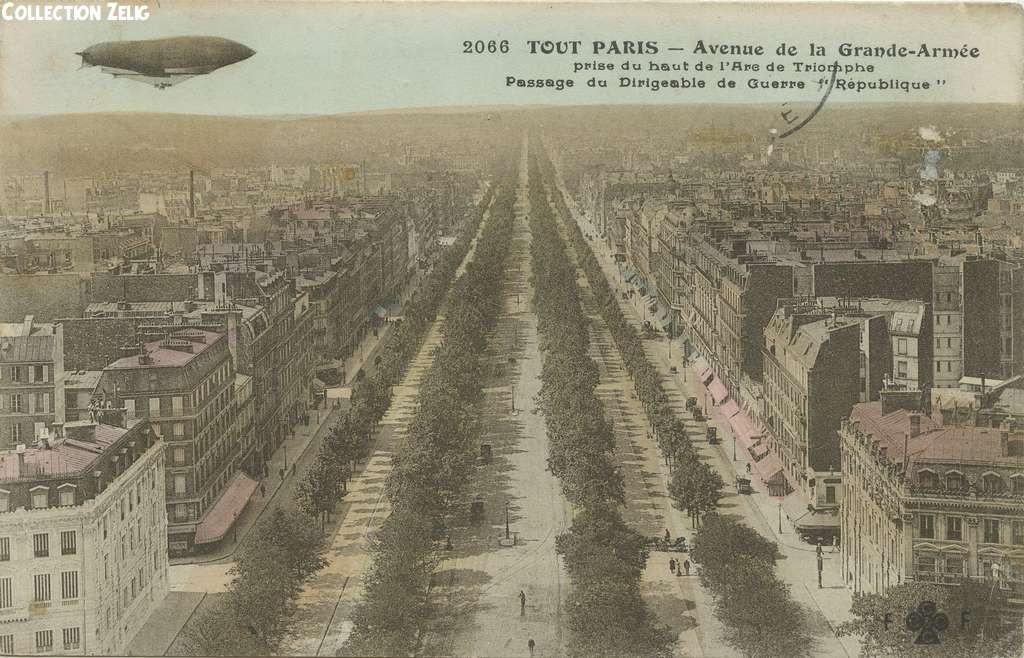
point(252, 617)
point(605, 558)
point(737, 564)
point(760, 617)
point(283, 551)
point(430, 466)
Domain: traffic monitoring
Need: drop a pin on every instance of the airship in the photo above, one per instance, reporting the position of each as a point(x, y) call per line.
point(164, 62)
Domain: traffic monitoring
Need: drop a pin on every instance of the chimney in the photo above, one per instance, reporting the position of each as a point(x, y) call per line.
point(46, 193)
point(20, 449)
point(191, 194)
point(1004, 443)
point(80, 430)
point(915, 425)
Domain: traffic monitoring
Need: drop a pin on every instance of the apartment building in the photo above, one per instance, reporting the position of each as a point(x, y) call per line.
point(31, 380)
point(83, 537)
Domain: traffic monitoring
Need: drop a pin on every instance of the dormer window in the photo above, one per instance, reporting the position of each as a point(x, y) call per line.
point(992, 483)
point(40, 497)
point(66, 493)
point(927, 479)
point(954, 481)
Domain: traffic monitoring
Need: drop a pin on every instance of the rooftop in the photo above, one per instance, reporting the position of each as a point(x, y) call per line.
point(83, 444)
point(172, 352)
point(935, 442)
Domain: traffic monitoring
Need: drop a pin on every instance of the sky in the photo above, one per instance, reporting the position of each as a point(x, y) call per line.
point(333, 57)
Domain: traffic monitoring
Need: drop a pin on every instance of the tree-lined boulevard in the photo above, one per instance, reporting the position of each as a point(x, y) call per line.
point(515, 475)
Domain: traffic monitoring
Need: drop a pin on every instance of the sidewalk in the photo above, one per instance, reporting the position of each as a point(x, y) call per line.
point(292, 450)
point(798, 566)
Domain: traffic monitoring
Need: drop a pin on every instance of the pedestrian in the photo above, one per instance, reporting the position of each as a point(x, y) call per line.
point(835, 543)
point(293, 468)
point(668, 536)
point(748, 468)
point(522, 604)
point(817, 548)
point(686, 566)
point(280, 472)
point(263, 490)
point(531, 645)
point(672, 565)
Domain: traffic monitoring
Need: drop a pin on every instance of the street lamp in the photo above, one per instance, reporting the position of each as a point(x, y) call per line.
point(507, 533)
point(780, 516)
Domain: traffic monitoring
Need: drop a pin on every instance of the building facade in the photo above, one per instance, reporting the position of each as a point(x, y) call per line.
point(31, 380)
point(930, 502)
point(83, 537)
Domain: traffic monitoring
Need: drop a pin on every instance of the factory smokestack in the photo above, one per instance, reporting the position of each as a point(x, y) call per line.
point(46, 193)
point(191, 194)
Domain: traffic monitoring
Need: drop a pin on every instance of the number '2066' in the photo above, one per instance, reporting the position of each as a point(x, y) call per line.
point(480, 47)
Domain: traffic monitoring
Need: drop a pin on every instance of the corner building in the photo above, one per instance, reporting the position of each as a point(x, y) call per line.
point(83, 536)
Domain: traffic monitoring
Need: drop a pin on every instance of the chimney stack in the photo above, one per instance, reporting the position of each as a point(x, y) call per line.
point(20, 449)
point(915, 425)
point(191, 194)
point(46, 192)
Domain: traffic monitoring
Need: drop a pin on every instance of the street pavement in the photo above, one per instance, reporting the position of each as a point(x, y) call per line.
point(798, 564)
point(477, 586)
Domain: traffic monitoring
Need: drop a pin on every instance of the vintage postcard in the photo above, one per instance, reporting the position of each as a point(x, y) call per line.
point(586, 329)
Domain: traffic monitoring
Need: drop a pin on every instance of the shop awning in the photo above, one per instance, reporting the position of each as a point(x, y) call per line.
point(729, 409)
point(818, 520)
point(339, 393)
point(706, 375)
point(770, 469)
point(219, 518)
point(744, 428)
point(718, 391)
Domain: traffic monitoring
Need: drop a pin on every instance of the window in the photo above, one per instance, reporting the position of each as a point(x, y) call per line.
point(177, 405)
point(830, 495)
point(40, 406)
point(41, 587)
point(7, 645)
point(5, 501)
point(67, 496)
point(18, 403)
point(154, 407)
point(1016, 484)
point(44, 640)
point(955, 565)
point(901, 368)
point(5, 549)
point(992, 483)
point(68, 545)
point(69, 585)
point(181, 512)
point(926, 527)
point(178, 430)
point(6, 593)
point(38, 372)
point(179, 455)
point(129, 405)
point(954, 528)
point(926, 563)
point(1018, 532)
point(954, 481)
point(992, 531)
point(41, 545)
point(927, 479)
point(179, 485)
point(72, 638)
point(40, 498)
point(901, 346)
